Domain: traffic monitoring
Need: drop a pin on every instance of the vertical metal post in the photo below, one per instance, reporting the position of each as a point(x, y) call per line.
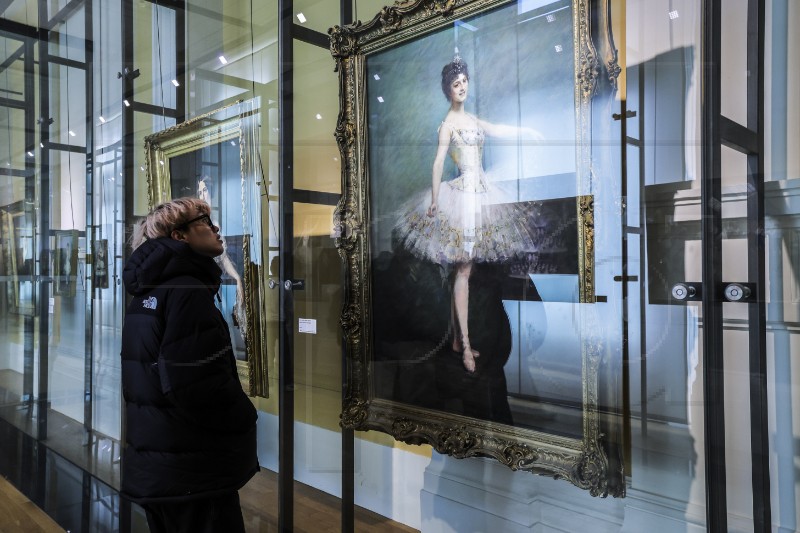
point(711, 230)
point(42, 287)
point(286, 186)
point(759, 416)
point(88, 378)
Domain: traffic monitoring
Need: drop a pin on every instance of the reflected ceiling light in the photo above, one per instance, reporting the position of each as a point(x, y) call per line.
point(376, 77)
point(41, 145)
point(223, 60)
point(233, 143)
point(380, 99)
point(301, 18)
point(673, 14)
point(162, 162)
point(142, 167)
point(319, 117)
point(127, 103)
point(175, 83)
point(30, 154)
point(102, 120)
point(559, 48)
point(71, 133)
point(551, 18)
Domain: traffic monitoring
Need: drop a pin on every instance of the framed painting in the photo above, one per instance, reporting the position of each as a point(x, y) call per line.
point(467, 230)
point(215, 157)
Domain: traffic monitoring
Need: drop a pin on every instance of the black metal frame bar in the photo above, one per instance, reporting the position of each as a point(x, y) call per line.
point(88, 360)
point(759, 416)
point(286, 342)
point(711, 231)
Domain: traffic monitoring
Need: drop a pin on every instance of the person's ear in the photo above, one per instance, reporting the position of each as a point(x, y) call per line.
point(178, 235)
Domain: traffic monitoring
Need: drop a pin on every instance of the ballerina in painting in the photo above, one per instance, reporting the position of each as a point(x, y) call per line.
point(467, 219)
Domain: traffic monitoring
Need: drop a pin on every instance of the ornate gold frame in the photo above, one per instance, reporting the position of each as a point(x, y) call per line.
point(582, 461)
point(222, 125)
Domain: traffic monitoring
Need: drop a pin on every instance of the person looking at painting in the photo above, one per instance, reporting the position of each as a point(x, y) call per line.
point(205, 187)
point(466, 219)
point(190, 435)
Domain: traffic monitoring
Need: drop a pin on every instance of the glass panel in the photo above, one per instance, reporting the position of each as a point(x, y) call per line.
point(783, 258)
point(734, 74)
point(317, 308)
point(155, 50)
point(68, 105)
point(667, 459)
point(781, 107)
point(69, 41)
point(316, 104)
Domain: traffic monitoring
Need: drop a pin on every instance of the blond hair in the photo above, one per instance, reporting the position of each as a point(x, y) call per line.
point(166, 217)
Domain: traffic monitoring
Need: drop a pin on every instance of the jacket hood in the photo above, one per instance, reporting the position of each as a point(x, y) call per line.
point(159, 260)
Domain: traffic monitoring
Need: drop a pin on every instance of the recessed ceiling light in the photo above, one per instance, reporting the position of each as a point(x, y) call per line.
point(551, 18)
point(673, 14)
point(71, 133)
point(142, 168)
point(380, 99)
point(223, 60)
point(559, 48)
point(175, 83)
point(127, 103)
point(376, 77)
point(102, 120)
point(319, 117)
point(301, 18)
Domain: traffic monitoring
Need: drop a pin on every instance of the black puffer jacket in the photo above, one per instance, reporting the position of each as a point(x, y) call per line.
point(190, 429)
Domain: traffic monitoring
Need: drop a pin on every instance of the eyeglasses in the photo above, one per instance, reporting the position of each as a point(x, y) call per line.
point(205, 218)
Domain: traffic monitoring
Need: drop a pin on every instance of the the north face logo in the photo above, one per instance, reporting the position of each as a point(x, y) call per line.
point(150, 303)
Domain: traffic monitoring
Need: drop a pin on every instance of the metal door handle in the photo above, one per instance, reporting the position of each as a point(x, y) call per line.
point(294, 285)
point(737, 292)
point(687, 291)
point(272, 284)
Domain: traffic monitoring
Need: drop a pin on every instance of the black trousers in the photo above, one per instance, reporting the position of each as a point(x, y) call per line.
point(222, 514)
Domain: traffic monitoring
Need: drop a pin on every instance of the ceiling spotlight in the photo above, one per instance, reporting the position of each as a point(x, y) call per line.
point(223, 60)
point(301, 18)
point(175, 83)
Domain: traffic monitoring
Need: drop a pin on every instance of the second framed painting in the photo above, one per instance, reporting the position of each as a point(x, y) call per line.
point(467, 229)
point(214, 157)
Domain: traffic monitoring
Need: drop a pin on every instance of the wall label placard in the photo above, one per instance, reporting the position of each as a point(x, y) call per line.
point(307, 325)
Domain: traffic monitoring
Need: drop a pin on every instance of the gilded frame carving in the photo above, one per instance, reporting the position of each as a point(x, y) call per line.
point(582, 461)
point(237, 124)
